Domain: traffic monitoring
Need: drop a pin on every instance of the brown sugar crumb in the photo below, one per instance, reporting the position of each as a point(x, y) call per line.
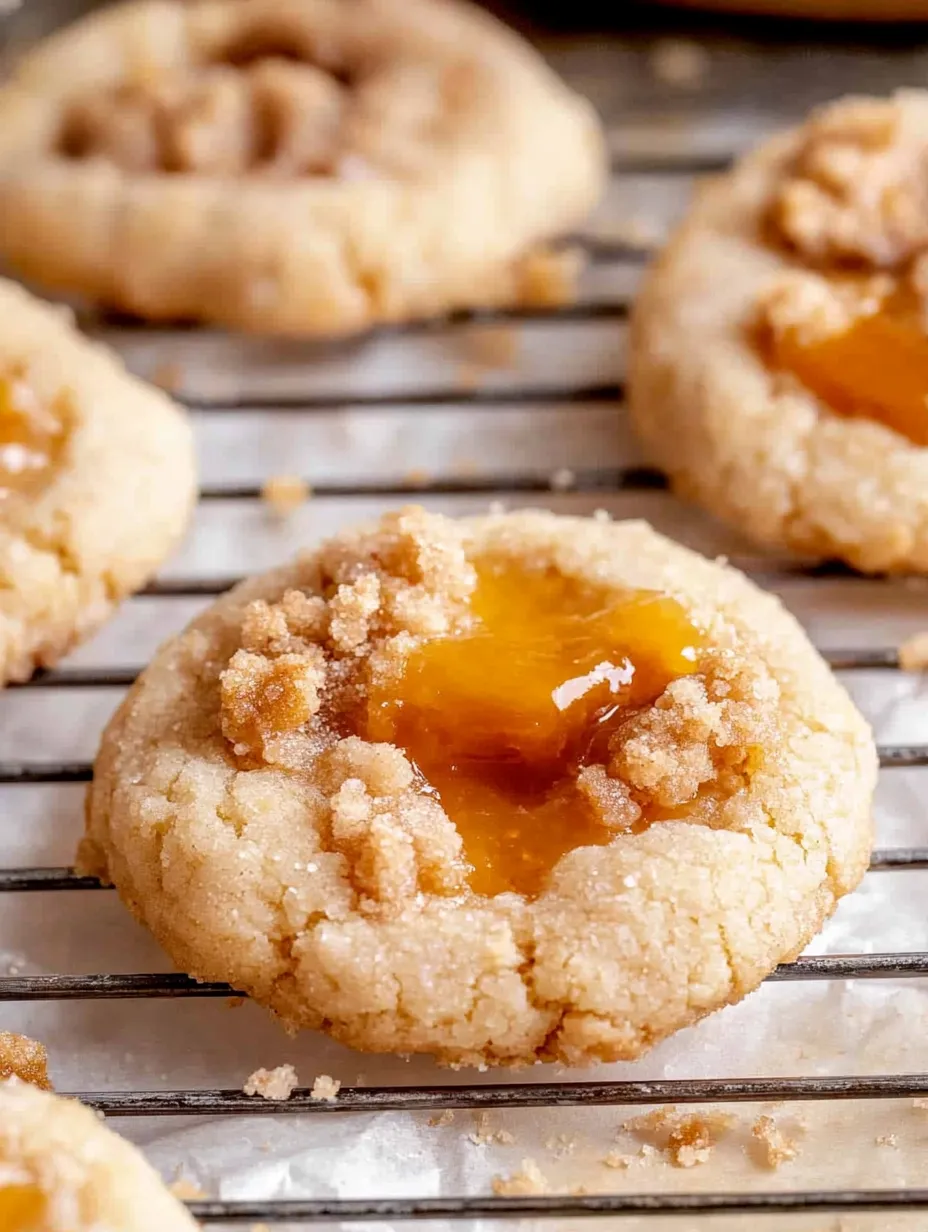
point(284, 494)
point(441, 1119)
point(679, 62)
point(274, 1084)
point(913, 653)
point(686, 1140)
point(325, 1089)
point(235, 1003)
point(776, 1147)
point(528, 1180)
point(889, 1140)
point(23, 1058)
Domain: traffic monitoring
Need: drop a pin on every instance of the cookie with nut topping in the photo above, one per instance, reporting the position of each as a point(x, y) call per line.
point(779, 357)
point(297, 167)
point(509, 788)
point(97, 481)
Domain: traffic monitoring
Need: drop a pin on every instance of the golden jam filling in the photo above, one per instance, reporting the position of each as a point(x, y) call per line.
point(22, 1208)
point(31, 437)
point(500, 719)
point(876, 369)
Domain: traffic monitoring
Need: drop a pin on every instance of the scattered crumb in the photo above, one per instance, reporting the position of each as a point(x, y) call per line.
point(275, 1084)
point(442, 1119)
point(616, 1159)
point(562, 480)
point(283, 494)
point(485, 1135)
point(168, 376)
point(234, 1003)
point(887, 1140)
point(561, 1144)
point(776, 1147)
point(24, 1058)
point(187, 1191)
point(416, 477)
point(687, 1140)
point(325, 1089)
point(529, 1180)
point(679, 62)
point(492, 346)
point(913, 653)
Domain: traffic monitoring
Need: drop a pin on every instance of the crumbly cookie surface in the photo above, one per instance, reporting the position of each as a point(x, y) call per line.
point(96, 483)
point(266, 844)
point(805, 238)
point(62, 1171)
point(297, 167)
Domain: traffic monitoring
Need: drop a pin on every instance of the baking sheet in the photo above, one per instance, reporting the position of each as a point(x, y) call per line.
point(394, 409)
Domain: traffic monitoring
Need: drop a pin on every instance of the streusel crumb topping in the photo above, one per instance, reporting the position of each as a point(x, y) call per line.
point(283, 93)
point(470, 723)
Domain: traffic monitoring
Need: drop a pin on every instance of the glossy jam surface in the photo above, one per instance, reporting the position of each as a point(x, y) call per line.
point(31, 437)
point(876, 369)
point(22, 1208)
point(500, 719)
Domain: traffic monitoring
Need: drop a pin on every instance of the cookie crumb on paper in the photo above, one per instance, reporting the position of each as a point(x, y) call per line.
point(913, 653)
point(283, 494)
point(274, 1084)
point(325, 1089)
point(887, 1140)
point(486, 1135)
point(528, 1180)
point(776, 1147)
point(441, 1119)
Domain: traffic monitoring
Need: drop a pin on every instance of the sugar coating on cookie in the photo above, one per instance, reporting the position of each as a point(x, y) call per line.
point(293, 166)
point(508, 788)
point(96, 483)
point(779, 357)
point(61, 1170)
point(23, 1058)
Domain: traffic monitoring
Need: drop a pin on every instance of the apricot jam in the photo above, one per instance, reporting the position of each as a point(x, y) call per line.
point(500, 719)
point(22, 1208)
point(30, 437)
point(876, 369)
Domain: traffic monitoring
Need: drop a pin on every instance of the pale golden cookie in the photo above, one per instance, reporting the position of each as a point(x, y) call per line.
point(61, 1170)
point(668, 847)
point(779, 354)
point(96, 483)
point(293, 166)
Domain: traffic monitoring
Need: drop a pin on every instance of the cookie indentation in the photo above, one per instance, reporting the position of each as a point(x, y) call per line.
point(32, 435)
point(510, 721)
point(282, 102)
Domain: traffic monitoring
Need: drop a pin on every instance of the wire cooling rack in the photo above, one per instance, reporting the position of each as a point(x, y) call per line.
point(662, 132)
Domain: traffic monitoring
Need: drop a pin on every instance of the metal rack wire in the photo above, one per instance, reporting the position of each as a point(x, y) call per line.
point(215, 1102)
